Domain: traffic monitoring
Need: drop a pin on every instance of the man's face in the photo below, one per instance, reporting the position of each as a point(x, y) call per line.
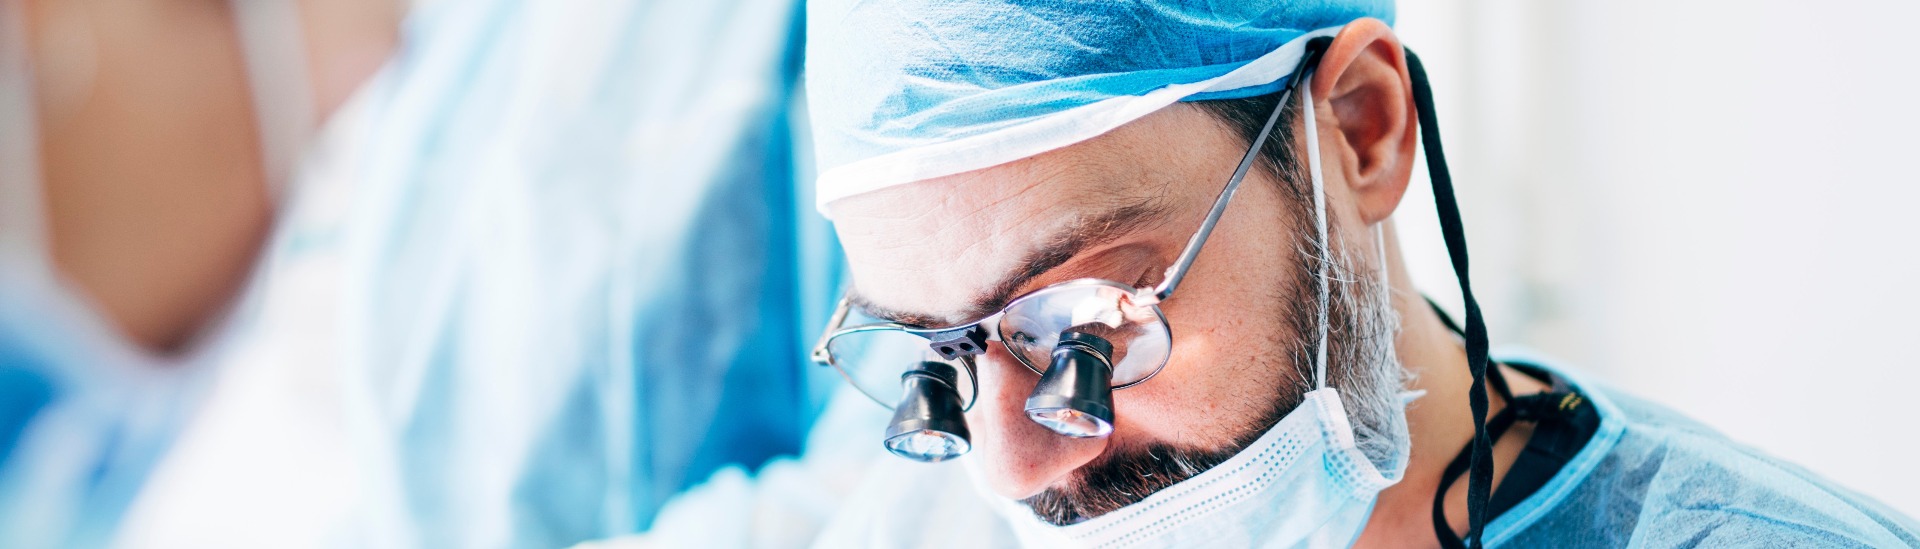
point(1119, 207)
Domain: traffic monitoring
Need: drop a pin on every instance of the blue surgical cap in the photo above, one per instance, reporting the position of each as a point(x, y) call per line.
point(911, 90)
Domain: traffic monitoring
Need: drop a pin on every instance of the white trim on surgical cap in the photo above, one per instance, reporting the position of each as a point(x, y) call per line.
point(1051, 132)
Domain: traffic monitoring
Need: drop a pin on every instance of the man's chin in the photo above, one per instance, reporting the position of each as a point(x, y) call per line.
point(1121, 479)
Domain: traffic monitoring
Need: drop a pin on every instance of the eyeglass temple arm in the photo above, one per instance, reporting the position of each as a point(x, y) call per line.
point(1178, 270)
point(821, 355)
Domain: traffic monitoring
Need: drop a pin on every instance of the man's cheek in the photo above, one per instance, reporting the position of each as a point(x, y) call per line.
point(1183, 406)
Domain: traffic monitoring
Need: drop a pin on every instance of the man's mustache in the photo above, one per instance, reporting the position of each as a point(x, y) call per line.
point(1123, 478)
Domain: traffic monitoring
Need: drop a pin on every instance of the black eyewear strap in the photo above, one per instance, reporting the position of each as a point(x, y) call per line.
point(1480, 465)
point(1453, 231)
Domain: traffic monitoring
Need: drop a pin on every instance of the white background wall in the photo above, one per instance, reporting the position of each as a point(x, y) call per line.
point(1710, 204)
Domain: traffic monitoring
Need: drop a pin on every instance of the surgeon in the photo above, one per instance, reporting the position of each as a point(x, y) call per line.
point(1132, 267)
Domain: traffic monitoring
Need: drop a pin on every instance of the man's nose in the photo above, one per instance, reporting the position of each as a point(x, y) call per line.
point(1019, 457)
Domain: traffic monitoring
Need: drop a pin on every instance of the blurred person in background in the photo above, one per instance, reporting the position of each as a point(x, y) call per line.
point(145, 149)
point(580, 276)
point(576, 259)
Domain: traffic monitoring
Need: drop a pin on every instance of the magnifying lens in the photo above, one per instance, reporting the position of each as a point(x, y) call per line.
point(929, 423)
point(1075, 395)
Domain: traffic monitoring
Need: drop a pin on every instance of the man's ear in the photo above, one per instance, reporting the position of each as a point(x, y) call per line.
point(1364, 107)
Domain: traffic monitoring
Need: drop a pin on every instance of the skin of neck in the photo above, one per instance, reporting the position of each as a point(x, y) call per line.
point(1440, 422)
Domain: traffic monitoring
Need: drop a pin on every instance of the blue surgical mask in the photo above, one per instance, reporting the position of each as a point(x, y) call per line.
point(1302, 484)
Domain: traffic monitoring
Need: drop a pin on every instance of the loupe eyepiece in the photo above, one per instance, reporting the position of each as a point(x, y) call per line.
point(928, 424)
point(1075, 395)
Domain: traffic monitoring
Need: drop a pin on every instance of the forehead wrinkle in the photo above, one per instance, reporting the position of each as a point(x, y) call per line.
point(1071, 170)
point(917, 214)
point(946, 205)
point(976, 243)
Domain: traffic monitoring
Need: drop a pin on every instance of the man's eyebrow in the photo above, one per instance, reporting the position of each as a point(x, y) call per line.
point(910, 319)
point(1058, 248)
point(1063, 245)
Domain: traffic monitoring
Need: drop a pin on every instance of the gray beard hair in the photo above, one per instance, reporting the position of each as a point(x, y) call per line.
point(1361, 365)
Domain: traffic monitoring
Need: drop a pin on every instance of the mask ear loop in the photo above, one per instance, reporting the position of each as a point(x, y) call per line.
point(1320, 225)
point(1386, 275)
point(1386, 278)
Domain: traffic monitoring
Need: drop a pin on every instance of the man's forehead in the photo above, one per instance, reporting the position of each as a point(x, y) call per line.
point(940, 263)
point(982, 290)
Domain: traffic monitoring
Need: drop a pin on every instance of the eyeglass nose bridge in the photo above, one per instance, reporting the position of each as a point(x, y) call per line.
point(967, 341)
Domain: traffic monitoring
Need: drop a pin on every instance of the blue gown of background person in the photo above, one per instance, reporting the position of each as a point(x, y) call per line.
point(578, 273)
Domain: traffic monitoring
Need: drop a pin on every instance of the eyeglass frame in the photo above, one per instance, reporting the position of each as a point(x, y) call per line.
point(971, 337)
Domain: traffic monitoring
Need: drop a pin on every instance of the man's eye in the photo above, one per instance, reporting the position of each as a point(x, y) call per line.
point(1022, 338)
point(1148, 277)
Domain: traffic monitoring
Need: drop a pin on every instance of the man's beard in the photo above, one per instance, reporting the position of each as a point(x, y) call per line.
point(1361, 365)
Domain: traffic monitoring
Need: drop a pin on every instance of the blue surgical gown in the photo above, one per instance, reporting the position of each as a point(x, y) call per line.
point(580, 274)
point(1653, 478)
point(84, 416)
